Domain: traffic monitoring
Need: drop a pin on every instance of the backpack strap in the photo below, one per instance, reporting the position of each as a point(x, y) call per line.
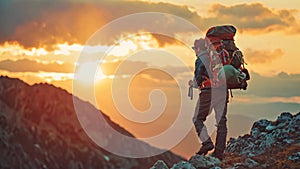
point(234, 55)
point(205, 83)
point(231, 93)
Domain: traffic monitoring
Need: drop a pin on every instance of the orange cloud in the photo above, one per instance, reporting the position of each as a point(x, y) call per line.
point(262, 56)
point(255, 17)
point(63, 80)
point(75, 24)
point(26, 65)
point(46, 24)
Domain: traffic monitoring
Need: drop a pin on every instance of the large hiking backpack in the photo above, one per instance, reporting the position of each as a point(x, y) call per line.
point(225, 58)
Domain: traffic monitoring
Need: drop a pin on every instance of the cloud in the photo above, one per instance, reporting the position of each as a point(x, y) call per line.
point(145, 74)
point(145, 70)
point(255, 17)
point(63, 80)
point(73, 24)
point(262, 56)
point(47, 23)
point(282, 85)
point(26, 65)
point(123, 67)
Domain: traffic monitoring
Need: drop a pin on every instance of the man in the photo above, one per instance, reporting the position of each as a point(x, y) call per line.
point(209, 98)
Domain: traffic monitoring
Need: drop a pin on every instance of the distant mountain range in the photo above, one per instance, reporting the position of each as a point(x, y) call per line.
point(39, 129)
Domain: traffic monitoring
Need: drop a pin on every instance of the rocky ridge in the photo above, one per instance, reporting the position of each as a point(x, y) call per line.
point(270, 144)
point(39, 129)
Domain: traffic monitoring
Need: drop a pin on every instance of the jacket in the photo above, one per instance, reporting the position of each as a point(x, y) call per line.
point(201, 76)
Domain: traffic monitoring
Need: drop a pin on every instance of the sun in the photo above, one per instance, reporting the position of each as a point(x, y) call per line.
point(99, 75)
point(89, 73)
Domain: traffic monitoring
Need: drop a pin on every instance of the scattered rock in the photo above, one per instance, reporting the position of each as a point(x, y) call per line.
point(261, 124)
point(271, 127)
point(106, 158)
point(288, 141)
point(267, 141)
point(255, 133)
point(284, 117)
point(217, 167)
point(238, 166)
point(251, 163)
point(295, 157)
point(160, 165)
point(269, 145)
point(265, 134)
point(200, 161)
point(183, 165)
point(251, 155)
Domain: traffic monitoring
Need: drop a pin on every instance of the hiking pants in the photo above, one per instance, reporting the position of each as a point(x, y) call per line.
point(204, 107)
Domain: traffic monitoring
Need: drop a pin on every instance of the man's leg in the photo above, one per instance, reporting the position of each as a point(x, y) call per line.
point(196, 110)
point(204, 110)
point(221, 137)
point(221, 130)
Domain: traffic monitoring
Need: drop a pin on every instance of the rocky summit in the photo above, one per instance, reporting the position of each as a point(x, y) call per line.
point(39, 129)
point(270, 144)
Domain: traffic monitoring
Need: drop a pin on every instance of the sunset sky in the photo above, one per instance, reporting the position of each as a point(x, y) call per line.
point(40, 41)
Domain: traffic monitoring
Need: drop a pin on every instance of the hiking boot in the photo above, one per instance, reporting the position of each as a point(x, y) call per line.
point(220, 156)
point(206, 146)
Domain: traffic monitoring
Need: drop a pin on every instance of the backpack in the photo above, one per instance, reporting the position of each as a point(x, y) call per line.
point(227, 63)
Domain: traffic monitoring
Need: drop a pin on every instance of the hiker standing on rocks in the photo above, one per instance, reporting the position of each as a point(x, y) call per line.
point(209, 98)
point(219, 67)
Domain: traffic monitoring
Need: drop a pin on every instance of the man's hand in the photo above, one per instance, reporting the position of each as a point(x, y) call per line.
point(191, 82)
point(197, 50)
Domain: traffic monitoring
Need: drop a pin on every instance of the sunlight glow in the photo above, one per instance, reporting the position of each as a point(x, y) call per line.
point(14, 48)
point(147, 41)
point(66, 49)
point(51, 76)
point(86, 72)
point(131, 44)
point(123, 48)
point(99, 75)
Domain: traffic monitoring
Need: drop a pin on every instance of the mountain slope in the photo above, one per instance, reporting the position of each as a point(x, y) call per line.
point(39, 129)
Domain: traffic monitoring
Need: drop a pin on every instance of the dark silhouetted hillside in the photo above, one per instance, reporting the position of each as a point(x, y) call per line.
point(39, 129)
